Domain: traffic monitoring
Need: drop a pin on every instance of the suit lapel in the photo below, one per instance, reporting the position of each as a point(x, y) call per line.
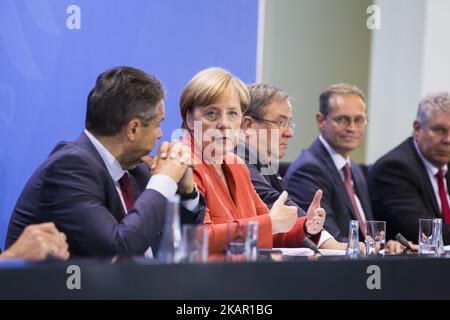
point(113, 199)
point(447, 177)
point(425, 180)
point(251, 157)
point(361, 190)
point(139, 178)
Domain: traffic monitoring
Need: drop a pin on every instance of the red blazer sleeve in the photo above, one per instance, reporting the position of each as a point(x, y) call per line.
point(217, 233)
point(294, 238)
point(291, 239)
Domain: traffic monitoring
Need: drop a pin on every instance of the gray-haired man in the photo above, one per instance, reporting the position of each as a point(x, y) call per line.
point(411, 182)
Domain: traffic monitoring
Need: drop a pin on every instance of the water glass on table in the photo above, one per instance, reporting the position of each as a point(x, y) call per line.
point(194, 243)
point(242, 241)
point(430, 237)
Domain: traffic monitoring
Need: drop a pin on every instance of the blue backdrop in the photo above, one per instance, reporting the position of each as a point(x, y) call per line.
point(52, 52)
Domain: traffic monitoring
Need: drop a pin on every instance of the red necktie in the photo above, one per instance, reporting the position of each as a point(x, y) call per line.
point(351, 195)
point(127, 192)
point(445, 209)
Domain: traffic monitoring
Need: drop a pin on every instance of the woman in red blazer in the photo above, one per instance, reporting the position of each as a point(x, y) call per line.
point(212, 105)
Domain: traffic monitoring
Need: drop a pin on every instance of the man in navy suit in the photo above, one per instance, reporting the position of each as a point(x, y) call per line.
point(97, 190)
point(411, 182)
point(268, 126)
point(326, 164)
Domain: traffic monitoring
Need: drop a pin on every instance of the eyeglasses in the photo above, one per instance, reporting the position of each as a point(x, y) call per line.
point(344, 121)
point(285, 124)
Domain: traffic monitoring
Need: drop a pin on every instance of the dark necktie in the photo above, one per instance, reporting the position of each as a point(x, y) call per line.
point(351, 195)
point(445, 209)
point(127, 191)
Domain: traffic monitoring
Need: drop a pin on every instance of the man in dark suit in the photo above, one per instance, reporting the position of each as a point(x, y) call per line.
point(326, 164)
point(96, 190)
point(268, 126)
point(411, 182)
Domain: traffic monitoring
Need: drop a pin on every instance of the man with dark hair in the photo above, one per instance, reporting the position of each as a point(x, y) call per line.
point(326, 164)
point(96, 190)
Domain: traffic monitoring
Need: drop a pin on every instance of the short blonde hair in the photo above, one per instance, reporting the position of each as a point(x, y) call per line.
point(208, 86)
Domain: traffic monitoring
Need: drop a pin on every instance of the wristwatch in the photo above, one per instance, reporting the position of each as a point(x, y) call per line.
point(190, 196)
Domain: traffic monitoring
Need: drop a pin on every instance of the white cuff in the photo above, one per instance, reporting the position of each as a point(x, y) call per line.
point(324, 237)
point(149, 253)
point(192, 205)
point(163, 184)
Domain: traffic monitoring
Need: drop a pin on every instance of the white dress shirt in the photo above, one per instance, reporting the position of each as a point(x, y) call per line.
point(432, 171)
point(340, 162)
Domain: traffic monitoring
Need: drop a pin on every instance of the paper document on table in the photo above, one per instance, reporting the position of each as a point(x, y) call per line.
point(301, 252)
point(305, 252)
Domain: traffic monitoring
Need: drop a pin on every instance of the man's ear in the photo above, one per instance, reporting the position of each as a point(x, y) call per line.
point(132, 128)
point(416, 128)
point(320, 119)
point(247, 123)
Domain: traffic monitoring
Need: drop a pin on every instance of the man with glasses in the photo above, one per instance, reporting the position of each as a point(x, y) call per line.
point(411, 182)
point(268, 126)
point(326, 163)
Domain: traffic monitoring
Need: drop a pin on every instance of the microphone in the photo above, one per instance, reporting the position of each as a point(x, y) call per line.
point(311, 245)
point(403, 241)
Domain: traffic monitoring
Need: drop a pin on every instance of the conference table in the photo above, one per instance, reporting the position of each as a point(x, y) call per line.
point(273, 276)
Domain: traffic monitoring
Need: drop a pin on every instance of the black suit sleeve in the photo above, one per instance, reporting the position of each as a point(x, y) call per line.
point(302, 186)
point(140, 177)
point(193, 217)
point(267, 192)
point(75, 199)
